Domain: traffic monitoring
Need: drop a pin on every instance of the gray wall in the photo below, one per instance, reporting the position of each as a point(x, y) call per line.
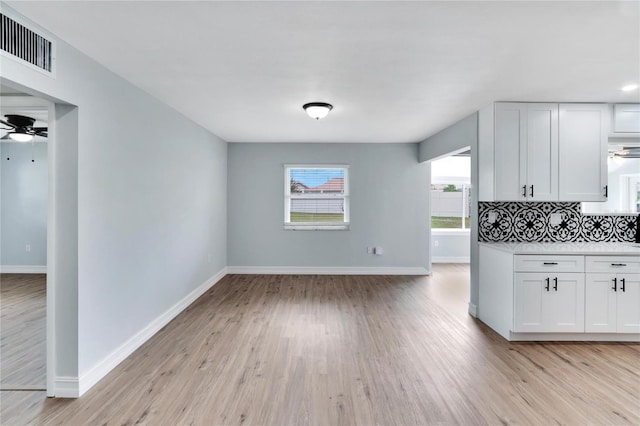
point(389, 207)
point(454, 137)
point(144, 190)
point(23, 204)
point(450, 247)
point(459, 135)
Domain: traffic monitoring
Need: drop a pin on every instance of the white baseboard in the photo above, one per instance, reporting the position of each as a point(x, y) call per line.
point(102, 368)
point(473, 310)
point(23, 269)
point(66, 387)
point(573, 337)
point(326, 270)
point(452, 259)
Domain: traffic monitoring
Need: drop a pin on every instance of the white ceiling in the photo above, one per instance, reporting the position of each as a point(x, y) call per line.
point(394, 71)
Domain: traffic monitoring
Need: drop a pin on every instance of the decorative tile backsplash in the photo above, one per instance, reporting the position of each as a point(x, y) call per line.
point(529, 222)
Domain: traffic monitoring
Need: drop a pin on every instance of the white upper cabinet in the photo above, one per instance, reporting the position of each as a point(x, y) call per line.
point(583, 152)
point(543, 152)
point(626, 118)
point(526, 152)
point(510, 151)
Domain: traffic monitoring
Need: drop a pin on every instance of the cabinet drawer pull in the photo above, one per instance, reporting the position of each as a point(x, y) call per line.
point(618, 264)
point(606, 191)
point(622, 286)
point(531, 191)
point(555, 283)
point(547, 286)
point(615, 285)
point(524, 191)
point(550, 263)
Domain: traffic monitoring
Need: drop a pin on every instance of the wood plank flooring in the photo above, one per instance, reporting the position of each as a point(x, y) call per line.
point(22, 331)
point(338, 350)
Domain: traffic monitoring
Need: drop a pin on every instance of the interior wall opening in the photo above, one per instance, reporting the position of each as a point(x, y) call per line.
point(450, 217)
point(24, 183)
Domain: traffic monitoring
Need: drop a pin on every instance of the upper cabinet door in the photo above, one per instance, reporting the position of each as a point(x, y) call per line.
point(542, 152)
point(626, 118)
point(582, 152)
point(510, 151)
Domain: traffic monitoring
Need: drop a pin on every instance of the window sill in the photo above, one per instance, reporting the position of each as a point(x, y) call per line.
point(315, 227)
point(449, 231)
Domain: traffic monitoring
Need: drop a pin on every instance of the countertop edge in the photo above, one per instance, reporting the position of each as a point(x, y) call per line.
point(556, 249)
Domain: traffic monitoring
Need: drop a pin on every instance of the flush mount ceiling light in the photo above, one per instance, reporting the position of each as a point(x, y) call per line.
point(317, 110)
point(20, 136)
point(629, 87)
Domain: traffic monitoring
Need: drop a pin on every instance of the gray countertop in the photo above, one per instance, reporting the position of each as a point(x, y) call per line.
point(602, 249)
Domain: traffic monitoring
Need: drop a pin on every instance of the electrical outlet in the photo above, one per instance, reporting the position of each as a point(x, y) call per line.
point(369, 250)
point(436, 243)
point(555, 219)
point(493, 216)
point(28, 248)
point(378, 251)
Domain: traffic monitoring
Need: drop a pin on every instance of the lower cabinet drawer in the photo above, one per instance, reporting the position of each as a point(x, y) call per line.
point(613, 264)
point(549, 263)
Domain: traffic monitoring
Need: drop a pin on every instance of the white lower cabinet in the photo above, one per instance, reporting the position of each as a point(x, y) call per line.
point(560, 296)
point(549, 302)
point(612, 303)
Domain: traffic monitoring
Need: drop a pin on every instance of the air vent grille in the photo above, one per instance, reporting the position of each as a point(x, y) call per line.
point(23, 43)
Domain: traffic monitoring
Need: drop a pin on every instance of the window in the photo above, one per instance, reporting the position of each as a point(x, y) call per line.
point(451, 193)
point(316, 197)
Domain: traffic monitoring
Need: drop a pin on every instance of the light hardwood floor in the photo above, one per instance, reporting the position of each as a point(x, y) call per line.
point(337, 350)
point(22, 331)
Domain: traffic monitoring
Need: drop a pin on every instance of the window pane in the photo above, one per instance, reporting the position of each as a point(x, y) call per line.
point(317, 181)
point(447, 205)
point(316, 210)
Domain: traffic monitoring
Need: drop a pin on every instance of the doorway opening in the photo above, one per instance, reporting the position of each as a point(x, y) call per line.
point(450, 217)
point(24, 192)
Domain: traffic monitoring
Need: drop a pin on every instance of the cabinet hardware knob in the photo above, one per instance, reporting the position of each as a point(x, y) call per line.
point(615, 285)
point(555, 283)
point(531, 191)
point(524, 191)
point(547, 286)
point(618, 264)
point(549, 263)
point(622, 286)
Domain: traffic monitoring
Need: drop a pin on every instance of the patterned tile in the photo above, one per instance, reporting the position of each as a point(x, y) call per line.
point(529, 222)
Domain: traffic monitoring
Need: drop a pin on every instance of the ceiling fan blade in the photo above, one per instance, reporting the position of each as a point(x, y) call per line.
point(6, 123)
point(44, 134)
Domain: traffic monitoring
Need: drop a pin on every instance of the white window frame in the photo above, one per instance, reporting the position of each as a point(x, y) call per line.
point(315, 226)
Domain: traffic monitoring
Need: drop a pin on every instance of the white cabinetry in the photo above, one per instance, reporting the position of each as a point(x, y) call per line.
point(543, 152)
point(626, 118)
point(526, 152)
point(612, 294)
point(551, 301)
point(561, 296)
point(583, 152)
